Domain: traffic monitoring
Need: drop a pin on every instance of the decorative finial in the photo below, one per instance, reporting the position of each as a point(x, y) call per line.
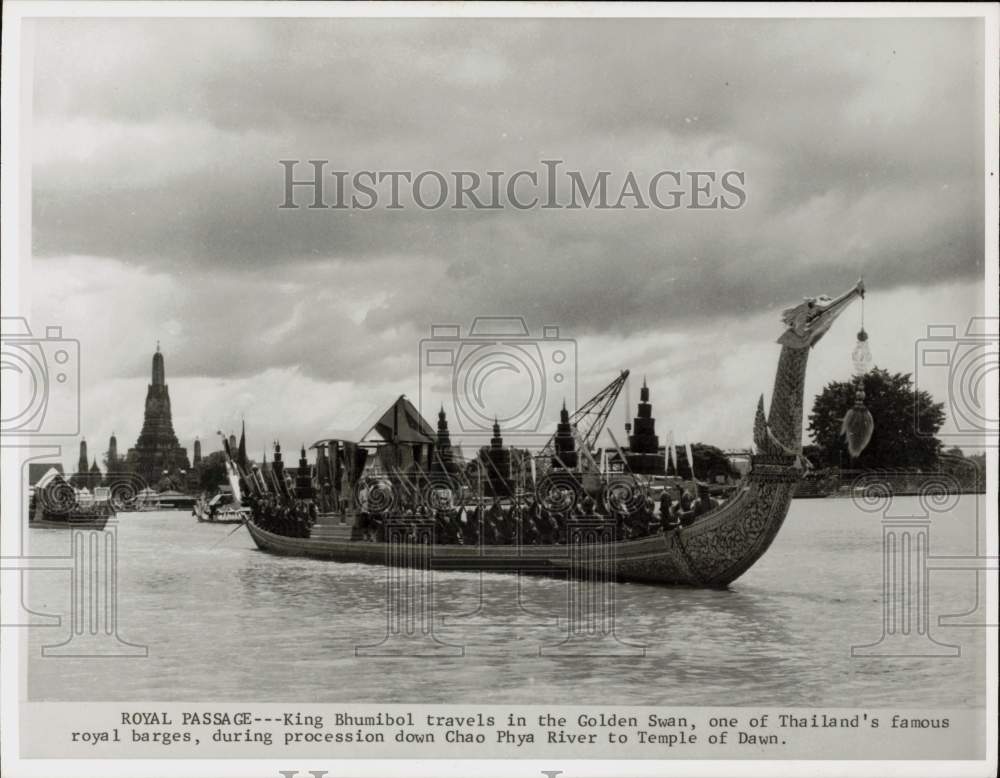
point(157, 345)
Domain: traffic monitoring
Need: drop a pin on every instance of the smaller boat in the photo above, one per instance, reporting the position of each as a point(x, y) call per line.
point(172, 500)
point(91, 517)
point(220, 509)
point(56, 504)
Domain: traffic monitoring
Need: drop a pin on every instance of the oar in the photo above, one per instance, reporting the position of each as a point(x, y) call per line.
point(230, 533)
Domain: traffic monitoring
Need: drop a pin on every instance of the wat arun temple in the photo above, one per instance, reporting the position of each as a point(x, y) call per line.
point(157, 452)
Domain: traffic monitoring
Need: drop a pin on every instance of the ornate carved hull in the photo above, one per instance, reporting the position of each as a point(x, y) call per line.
point(725, 543)
point(714, 551)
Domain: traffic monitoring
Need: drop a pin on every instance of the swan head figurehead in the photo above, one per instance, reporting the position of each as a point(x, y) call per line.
point(807, 322)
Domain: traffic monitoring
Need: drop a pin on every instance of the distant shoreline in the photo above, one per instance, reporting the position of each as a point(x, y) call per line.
point(876, 484)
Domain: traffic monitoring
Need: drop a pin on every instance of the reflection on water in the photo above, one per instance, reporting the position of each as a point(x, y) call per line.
point(224, 621)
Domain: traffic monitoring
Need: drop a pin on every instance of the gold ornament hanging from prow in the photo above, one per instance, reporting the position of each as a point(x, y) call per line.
point(858, 425)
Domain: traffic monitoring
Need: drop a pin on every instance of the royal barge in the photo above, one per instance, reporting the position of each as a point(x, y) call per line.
point(713, 551)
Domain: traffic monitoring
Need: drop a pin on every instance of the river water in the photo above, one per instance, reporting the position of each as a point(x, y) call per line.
point(225, 622)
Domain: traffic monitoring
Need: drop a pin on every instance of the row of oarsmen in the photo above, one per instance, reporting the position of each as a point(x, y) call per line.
point(291, 519)
point(531, 522)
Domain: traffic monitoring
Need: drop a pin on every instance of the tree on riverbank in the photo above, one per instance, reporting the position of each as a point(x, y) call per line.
point(968, 471)
point(898, 409)
point(210, 473)
point(709, 463)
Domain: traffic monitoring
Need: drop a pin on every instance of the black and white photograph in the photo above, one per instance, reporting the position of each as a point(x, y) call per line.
point(507, 389)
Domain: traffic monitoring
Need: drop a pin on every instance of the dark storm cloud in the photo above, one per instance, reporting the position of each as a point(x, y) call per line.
point(159, 143)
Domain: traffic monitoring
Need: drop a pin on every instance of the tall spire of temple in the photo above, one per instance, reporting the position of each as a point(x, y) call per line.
point(83, 464)
point(566, 455)
point(197, 453)
point(159, 372)
point(81, 477)
point(444, 455)
point(112, 450)
point(157, 450)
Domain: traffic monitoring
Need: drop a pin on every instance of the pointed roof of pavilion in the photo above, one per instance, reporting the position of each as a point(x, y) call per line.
point(401, 422)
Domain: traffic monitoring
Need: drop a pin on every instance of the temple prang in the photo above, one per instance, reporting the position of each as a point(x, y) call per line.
point(95, 476)
point(157, 451)
point(565, 457)
point(443, 458)
point(81, 478)
point(83, 463)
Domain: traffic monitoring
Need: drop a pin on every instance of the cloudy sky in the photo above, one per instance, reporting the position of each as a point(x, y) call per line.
point(157, 183)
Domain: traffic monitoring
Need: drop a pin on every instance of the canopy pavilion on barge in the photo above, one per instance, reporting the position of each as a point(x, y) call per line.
point(394, 443)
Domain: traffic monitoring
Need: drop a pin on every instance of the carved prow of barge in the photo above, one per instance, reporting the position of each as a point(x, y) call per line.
point(722, 545)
